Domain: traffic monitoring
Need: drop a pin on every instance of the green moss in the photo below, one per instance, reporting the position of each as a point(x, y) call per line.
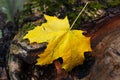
point(71, 8)
point(110, 3)
point(113, 2)
point(25, 29)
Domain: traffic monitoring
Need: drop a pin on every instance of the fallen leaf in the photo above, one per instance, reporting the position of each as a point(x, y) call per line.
point(63, 42)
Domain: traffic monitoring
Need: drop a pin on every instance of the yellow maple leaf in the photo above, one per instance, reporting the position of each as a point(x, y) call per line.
point(68, 44)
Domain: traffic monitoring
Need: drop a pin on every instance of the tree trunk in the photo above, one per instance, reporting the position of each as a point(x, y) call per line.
point(106, 49)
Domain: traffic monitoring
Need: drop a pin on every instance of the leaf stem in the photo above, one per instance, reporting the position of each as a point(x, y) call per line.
point(79, 15)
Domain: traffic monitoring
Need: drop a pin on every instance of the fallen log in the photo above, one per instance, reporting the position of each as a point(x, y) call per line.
point(105, 42)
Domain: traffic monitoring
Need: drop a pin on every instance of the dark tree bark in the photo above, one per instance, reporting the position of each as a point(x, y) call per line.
point(106, 49)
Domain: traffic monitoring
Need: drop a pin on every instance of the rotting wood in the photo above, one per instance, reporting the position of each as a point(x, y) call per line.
point(106, 49)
